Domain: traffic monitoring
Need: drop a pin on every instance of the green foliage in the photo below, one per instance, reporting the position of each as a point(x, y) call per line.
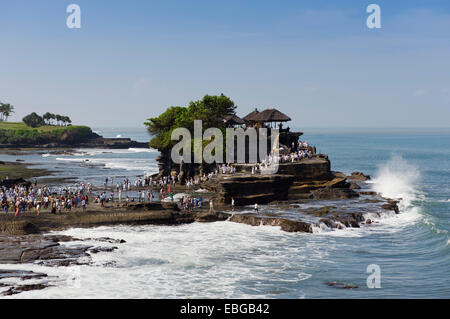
point(50, 119)
point(33, 120)
point(210, 109)
point(5, 111)
point(21, 134)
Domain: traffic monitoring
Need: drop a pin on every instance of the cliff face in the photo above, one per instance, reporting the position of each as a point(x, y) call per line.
point(81, 137)
point(306, 179)
point(250, 189)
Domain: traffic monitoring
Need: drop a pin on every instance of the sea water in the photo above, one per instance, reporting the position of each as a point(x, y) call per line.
point(229, 260)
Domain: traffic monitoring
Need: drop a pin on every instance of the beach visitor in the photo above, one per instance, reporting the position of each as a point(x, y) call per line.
point(211, 206)
point(256, 209)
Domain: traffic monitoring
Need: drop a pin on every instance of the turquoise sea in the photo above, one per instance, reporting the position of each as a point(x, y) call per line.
point(228, 260)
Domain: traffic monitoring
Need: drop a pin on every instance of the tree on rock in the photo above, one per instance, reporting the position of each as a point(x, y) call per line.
point(210, 109)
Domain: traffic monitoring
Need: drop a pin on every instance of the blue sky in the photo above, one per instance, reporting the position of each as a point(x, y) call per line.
point(314, 60)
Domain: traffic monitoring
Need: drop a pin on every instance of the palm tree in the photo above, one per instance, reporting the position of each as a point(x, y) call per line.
point(5, 111)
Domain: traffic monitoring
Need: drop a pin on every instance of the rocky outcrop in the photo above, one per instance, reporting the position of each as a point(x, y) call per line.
point(285, 224)
point(340, 285)
point(250, 189)
point(331, 193)
point(46, 251)
point(391, 205)
point(358, 176)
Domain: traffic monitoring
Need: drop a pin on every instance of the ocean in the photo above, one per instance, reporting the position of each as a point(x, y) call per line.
point(229, 260)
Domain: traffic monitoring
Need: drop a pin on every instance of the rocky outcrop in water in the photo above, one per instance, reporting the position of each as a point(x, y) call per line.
point(46, 251)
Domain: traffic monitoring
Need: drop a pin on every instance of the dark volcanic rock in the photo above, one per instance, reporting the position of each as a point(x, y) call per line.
point(349, 219)
point(340, 285)
point(18, 289)
point(391, 205)
point(354, 185)
point(285, 224)
point(96, 250)
point(250, 189)
point(206, 217)
point(331, 193)
point(22, 274)
point(358, 176)
point(370, 193)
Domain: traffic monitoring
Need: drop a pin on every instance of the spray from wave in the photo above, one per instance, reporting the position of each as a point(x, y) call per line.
point(397, 179)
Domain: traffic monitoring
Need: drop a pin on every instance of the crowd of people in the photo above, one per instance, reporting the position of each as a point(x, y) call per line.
point(34, 198)
point(297, 153)
point(28, 198)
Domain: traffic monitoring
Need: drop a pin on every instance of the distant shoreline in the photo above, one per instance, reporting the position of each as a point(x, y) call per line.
point(15, 136)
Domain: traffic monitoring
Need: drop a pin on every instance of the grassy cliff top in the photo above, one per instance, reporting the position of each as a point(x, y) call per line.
point(47, 128)
point(18, 133)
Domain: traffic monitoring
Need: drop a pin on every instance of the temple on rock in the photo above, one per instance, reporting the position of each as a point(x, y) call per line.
point(301, 172)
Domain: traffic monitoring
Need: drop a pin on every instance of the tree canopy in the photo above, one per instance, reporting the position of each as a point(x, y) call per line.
point(211, 109)
point(5, 111)
point(33, 120)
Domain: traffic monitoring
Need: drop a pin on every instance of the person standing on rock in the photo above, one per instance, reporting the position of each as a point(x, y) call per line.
point(17, 209)
point(211, 206)
point(38, 208)
point(232, 204)
point(256, 209)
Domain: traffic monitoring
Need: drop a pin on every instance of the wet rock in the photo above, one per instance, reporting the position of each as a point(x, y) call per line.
point(340, 285)
point(391, 205)
point(369, 193)
point(22, 274)
point(358, 176)
point(39, 249)
point(61, 238)
point(354, 185)
point(96, 250)
point(18, 289)
point(331, 193)
point(107, 240)
point(349, 219)
point(285, 224)
point(206, 217)
point(319, 212)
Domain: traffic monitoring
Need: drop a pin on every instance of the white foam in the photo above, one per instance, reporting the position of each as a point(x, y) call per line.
point(189, 261)
point(396, 179)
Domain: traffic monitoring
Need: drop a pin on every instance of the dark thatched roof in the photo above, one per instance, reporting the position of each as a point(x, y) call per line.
point(233, 120)
point(271, 115)
point(251, 116)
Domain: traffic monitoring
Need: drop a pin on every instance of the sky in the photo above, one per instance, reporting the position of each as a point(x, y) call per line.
point(316, 61)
